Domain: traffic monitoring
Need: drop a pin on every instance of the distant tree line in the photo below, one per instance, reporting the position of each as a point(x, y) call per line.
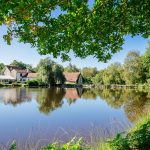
point(134, 70)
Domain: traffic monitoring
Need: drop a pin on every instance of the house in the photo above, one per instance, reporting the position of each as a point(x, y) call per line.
point(18, 74)
point(6, 78)
point(73, 78)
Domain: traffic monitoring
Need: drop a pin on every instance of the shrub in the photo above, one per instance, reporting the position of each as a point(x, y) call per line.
point(137, 139)
point(13, 146)
point(16, 84)
point(32, 83)
point(1, 84)
point(42, 83)
point(72, 145)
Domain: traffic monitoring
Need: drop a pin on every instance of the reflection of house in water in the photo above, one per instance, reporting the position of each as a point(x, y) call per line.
point(14, 95)
point(73, 93)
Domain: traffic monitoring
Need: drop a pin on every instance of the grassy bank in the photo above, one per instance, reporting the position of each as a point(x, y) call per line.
point(137, 138)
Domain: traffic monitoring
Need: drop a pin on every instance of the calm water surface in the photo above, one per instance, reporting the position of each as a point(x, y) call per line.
point(40, 115)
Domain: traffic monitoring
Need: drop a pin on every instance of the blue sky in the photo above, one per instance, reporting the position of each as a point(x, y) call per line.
point(24, 52)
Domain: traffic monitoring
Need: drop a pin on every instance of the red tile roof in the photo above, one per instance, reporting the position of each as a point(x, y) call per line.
point(71, 76)
point(18, 69)
point(32, 75)
point(10, 67)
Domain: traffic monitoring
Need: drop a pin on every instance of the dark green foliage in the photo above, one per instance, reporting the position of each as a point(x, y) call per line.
point(87, 80)
point(88, 73)
point(97, 30)
point(138, 139)
point(72, 145)
point(50, 72)
point(58, 74)
point(21, 65)
point(2, 66)
point(13, 146)
point(32, 83)
point(146, 62)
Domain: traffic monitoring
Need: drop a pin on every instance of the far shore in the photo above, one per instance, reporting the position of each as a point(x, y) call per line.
point(88, 86)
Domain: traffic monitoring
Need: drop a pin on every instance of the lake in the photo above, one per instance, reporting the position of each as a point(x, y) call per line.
point(36, 116)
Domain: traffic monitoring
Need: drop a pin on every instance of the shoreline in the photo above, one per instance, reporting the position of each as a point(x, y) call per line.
point(88, 86)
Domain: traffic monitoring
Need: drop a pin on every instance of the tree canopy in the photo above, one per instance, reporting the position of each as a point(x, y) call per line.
point(133, 68)
point(146, 61)
point(2, 66)
point(49, 72)
point(71, 68)
point(96, 30)
point(21, 65)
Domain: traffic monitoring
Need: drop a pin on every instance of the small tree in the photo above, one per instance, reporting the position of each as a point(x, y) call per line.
point(58, 74)
point(45, 71)
point(88, 73)
point(146, 62)
point(133, 68)
point(21, 65)
point(50, 72)
point(2, 66)
point(71, 68)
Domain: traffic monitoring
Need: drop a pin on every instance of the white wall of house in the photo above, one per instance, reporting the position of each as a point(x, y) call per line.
point(7, 72)
point(17, 76)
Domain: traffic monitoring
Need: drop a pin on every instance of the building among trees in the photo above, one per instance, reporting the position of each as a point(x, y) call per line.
point(13, 73)
point(73, 78)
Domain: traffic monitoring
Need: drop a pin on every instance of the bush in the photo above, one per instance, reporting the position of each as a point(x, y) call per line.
point(72, 145)
point(16, 84)
point(42, 83)
point(33, 83)
point(137, 139)
point(1, 84)
point(13, 146)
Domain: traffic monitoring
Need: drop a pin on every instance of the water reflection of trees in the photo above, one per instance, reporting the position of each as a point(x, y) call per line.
point(15, 96)
point(50, 99)
point(89, 94)
point(135, 103)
